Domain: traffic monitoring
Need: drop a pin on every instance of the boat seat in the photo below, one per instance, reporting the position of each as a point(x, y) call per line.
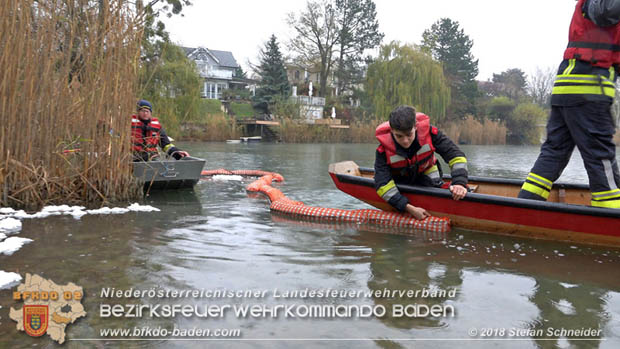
point(562, 195)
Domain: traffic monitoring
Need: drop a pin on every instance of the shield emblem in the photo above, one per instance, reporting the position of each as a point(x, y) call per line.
point(35, 322)
point(36, 318)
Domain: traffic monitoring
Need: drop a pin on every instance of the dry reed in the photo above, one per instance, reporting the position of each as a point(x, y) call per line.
point(293, 131)
point(68, 79)
point(214, 127)
point(218, 127)
point(472, 131)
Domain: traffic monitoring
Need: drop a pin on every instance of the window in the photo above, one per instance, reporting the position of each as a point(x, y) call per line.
point(203, 93)
point(213, 90)
point(212, 93)
point(220, 89)
point(296, 74)
point(202, 67)
point(208, 90)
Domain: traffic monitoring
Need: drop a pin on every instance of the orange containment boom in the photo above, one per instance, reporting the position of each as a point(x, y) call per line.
point(282, 204)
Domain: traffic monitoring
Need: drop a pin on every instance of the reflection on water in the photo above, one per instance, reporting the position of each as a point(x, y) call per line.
point(219, 237)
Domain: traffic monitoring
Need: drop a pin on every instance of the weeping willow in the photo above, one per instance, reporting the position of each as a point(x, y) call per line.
point(69, 73)
point(405, 75)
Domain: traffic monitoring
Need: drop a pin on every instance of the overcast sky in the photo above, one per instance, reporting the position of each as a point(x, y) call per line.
point(523, 34)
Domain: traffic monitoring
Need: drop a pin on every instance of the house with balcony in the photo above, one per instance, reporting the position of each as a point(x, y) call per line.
point(297, 74)
point(300, 76)
point(217, 68)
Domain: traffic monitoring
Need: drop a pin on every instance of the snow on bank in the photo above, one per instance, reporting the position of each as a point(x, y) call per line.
point(10, 224)
point(76, 211)
point(8, 280)
point(12, 244)
point(226, 178)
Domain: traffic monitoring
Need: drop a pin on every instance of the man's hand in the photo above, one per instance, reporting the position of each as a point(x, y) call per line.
point(458, 191)
point(179, 154)
point(417, 212)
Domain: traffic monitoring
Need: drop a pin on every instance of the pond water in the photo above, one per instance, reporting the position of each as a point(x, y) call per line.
point(218, 238)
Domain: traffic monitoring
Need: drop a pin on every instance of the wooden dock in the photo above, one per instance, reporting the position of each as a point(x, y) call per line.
point(257, 122)
point(331, 123)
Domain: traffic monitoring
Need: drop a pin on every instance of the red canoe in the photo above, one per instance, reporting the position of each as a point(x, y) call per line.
point(493, 207)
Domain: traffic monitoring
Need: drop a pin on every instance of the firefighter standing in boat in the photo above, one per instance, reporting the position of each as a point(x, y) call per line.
point(580, 106)
point(147, 134)
point(406, 155)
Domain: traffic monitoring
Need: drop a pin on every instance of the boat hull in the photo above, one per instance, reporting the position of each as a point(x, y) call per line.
point(169, 174)
point(499, 214)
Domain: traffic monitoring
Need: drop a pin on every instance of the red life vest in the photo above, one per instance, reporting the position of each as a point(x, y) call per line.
point(424, 158)
point(145, 143)
point(588, 42)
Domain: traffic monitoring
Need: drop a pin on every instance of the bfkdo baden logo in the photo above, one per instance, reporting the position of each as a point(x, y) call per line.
point(36, 318)
point(48, 308)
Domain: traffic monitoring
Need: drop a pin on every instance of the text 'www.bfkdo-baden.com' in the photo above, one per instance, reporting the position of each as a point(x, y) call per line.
point(162, 332)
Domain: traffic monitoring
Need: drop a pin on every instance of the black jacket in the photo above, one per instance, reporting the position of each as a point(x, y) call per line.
point(443, 146)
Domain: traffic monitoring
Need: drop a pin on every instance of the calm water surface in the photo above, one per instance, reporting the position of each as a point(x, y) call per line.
point(219, 238)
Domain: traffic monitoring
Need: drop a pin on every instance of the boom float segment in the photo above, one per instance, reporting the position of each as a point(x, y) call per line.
point(282, 204)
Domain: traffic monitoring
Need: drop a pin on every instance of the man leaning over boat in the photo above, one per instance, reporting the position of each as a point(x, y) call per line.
point(147, 133)
point(406, 155)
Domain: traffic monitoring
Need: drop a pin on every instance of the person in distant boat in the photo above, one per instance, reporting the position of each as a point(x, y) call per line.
point(406, 155)
point(147, 134)
point(580, 106)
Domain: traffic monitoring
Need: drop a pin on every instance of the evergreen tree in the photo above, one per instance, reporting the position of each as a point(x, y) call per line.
point(274, 84)
point(449, 44)
point(239, 73)
point(405, 75)
point(512, 83)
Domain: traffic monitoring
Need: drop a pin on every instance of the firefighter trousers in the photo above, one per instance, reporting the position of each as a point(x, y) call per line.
point(590, 127)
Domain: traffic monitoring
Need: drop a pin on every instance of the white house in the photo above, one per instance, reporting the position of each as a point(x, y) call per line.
point(217, 68)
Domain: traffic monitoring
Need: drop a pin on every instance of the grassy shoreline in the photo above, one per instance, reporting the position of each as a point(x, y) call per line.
point(219, 127)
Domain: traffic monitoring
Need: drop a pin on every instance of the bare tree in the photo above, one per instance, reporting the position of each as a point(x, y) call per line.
point(317, 37)
point(540, 84)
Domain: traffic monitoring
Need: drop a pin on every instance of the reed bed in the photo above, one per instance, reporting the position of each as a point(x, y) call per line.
point(363, 131)
point(219, 127)
point(469, 131)
point(214, 127)
point(68, 75)
point(488, 132)
point(293, 131)
point(472, 131)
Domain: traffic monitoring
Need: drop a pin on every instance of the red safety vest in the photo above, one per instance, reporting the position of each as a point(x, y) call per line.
point(591, 43)
point(146, 143)
point(424, 158)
